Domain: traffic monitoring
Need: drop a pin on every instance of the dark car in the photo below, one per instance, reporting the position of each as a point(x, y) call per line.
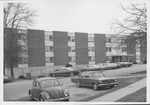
point(63, 72)
point(48, 89)
point(125, 64)
point(7, 78)
point(94, 79)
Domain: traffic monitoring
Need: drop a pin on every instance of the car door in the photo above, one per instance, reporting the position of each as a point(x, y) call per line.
point(36, 90)
point(81, 78)
point(86, 79)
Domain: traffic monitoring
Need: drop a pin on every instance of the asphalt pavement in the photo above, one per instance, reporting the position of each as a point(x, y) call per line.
point(19, 88)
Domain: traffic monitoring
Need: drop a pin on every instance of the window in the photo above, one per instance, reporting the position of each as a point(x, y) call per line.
point(48, 48)
point(91, 49)
point(46, 37)
point(108, 40)
point(47, 59)
point(71, 49)
point(71, 59)
point(91, 39)
point(23, 60)
point(91, 58)
point(124, 49)
point(138, 48)
point(108, 49)
point(51, 48)
point(71, 39)
point(138, 57)
point(51, 59)
point(50, 38)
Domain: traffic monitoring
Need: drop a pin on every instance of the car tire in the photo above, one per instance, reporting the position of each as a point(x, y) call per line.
point(67, 100)
point(95, 87)
point(78, 84)
point(111, 86)
point(30, 96)
point(41, 98)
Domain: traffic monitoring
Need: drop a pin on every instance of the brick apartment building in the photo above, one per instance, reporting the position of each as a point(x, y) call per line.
point(54, 48)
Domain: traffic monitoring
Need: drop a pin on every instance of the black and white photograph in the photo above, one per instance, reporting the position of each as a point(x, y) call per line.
point(74, 51)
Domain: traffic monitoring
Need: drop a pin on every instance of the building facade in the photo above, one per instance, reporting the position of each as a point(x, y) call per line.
point(57, 48)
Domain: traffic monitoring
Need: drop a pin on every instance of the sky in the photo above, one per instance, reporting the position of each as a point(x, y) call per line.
point(92, 16)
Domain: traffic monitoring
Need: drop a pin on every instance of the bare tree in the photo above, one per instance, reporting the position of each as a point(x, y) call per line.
point(16, 16)
point(135, 25)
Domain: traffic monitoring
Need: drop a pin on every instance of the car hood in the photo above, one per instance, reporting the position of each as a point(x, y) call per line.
point(55, 91)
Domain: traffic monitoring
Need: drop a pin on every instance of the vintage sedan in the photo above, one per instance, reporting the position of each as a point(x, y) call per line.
point(104, 66)
point(64, 72)
point(47, 89)
point(94, 79)
point(7, 78)
point(125, 64)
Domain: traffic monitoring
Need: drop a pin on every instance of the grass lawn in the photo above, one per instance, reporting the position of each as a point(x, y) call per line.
point(139, 96)
point(123, 82)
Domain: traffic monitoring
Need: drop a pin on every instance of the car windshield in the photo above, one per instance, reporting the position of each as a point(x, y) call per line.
point(96, 74)
point(49, 82)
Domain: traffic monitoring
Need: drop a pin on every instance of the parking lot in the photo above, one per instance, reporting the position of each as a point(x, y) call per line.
point(18, 90)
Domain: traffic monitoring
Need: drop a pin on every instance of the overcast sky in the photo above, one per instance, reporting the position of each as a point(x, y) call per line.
point(92, 16)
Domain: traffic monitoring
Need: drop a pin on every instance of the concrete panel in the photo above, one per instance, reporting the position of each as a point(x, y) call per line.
point(131, 49)
point(143, 50)
point(81, 46)
point(60, 41)
point(36, 48)
point(100, 48)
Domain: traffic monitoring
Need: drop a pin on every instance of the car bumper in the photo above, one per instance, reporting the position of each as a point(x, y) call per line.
point(109, 84)
point(59, 99)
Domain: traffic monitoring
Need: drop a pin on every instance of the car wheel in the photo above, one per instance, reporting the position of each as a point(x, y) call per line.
point(30, 96)
point(111, 86)
point(78, 84)
point(41, 98)
point(95, 87)
point(67, 100)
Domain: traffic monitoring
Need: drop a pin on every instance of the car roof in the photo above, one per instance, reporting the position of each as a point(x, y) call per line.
point(44, 78)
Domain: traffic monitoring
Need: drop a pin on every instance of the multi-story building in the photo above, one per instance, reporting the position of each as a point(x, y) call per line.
point(54, 48)
point(134, 52)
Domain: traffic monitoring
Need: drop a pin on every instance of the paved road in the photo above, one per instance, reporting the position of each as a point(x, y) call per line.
point(18, 90)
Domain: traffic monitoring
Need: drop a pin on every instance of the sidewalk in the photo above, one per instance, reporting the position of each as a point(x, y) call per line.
point(114, 96)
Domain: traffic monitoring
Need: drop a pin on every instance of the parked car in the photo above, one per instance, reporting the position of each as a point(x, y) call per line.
point(94, 79)
point(63, 72)
point(112, 65)
point(93, 67)
point(125, 64)
point(104, 66)
point(7, 78)
point(47, 89)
